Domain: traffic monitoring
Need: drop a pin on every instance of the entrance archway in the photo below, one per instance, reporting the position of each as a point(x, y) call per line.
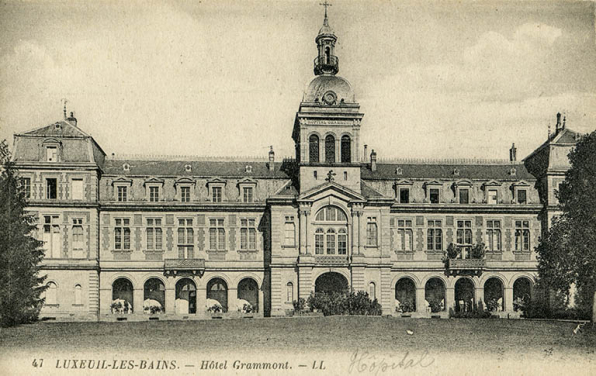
point(493, 294)
point(186, 297)
point(331, 282)
point(122, 296)
point(154, 300)
point(434, 294)
point(249, 290)
point(464, 295)
point(217, 289)
point(522, 293)
point(405, 295)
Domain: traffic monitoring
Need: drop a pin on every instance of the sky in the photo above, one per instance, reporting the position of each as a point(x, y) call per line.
point(225, 78)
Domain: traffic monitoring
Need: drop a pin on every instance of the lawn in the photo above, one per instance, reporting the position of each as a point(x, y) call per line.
point(339, 333)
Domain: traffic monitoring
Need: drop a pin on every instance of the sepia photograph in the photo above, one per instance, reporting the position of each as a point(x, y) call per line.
point(300, 187)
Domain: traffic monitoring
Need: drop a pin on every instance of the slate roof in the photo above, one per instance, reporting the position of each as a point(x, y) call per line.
point(65, 130)
point(446, 171)
point(367, 191)
point(564, 136)
point(260, 169)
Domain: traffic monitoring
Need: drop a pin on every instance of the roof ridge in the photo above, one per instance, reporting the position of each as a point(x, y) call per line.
point(449, 161)
point(181, 157)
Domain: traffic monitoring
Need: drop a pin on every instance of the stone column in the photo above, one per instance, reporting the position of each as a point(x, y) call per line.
point(355, 232)
point(138, 297)
point(420, 301)
point(360, 240)
point(105, 297)
point(302, 229)
point(449, 298)
point(201, 298)
point(232, 299)
point(479, 295)
point(170, 301)
point(508, 299)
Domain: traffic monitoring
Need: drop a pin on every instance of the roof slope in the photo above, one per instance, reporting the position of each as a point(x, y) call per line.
point(198, 168)
point(446, 171)
point(60, 128)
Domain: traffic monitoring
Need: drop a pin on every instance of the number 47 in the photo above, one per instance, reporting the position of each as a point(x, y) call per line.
point(37, 363)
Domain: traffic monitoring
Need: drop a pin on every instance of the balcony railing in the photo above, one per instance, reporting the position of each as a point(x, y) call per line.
point(184, 266)
point(331, 259)
point(474, 266)
point(324, 64)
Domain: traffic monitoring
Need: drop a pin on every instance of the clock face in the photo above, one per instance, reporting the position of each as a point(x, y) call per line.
point(329, 97)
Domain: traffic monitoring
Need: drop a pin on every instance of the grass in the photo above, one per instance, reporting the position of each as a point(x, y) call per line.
point(340, 333)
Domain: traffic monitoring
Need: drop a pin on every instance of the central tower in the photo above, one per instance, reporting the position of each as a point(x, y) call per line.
point(327, 125)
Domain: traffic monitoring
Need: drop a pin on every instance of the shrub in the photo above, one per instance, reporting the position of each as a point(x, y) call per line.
point(452, 251)
point(344, 303)
point(407, 306)
point(299, 305)
point(478, 251)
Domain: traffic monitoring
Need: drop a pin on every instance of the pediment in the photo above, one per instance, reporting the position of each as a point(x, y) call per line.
point(433, 182)
point(247, 181)
point(404, 182)
point(154, 181)
point(492, 183)
point(521, 183)
point(122, 180)
point(330, 189)
point(216, 181)
point(184, 181)
point(463, 182)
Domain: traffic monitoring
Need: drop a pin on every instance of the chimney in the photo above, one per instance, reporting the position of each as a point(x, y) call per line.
point(365, 149)
point(558, 126)
point(72, 120)
point(271, 159)
point(373, 161)
point(512, 153)
point(564, 120)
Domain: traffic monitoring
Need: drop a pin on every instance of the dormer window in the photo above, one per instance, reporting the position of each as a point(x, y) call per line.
point(51, 153)
point(188, 168)
point(216, 191)
point(153, 188)
point(126, 167)
point(456, 172)
point(399, 171)
point(184, 189)
point(434, 195)
point(513, 171)
point(464, 196)
point(520, 192)
point(522, 196)
point(248, 169)
point(153, 194)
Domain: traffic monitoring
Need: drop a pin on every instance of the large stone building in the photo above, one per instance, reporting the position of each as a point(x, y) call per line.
point(124, 235)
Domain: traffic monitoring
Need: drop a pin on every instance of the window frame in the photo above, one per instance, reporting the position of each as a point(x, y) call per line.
point(72, 188)
point(434, 232)
point(289, 220)
point(372, 232)
point(154, 232)
point(47, 186)
point(77, 223)
point(217, 234)
point(248, 234)
point(122, 224)
point(494, 235)
point(185, 244)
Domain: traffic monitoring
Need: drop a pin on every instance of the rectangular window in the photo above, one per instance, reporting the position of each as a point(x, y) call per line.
point(154, 233)
point(289, 232)
point(342, 242)
point(122, 233)
point(404, 235)
point(77, 238)
point(185, 194)
point(77, 189)
point(464, 238)
point(434, 236)
point(51, 188)
point(248, 234)
point(434, 195)
point(371, 231)
point(522, 235)
point(216, 194)
point(331, 241)
point(217, 234)
point(464, 196)
point(51, 154)
point(404, 195)
point(492, 197)
point(153, 194)
point(185, 239)
point(52, 236)
point(493, 235)
point(522, 196)
point(247, 193)
point(26, 185)
point(122, 194)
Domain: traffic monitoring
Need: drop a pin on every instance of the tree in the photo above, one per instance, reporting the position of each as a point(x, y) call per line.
point(20, 253)
point(567, 254)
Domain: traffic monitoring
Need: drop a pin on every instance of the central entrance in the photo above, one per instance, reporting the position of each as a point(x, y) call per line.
point(332, 282)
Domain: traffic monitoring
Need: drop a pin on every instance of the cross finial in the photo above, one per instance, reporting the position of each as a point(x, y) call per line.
point(325, 4)
point(64, 100)
point(330, 176)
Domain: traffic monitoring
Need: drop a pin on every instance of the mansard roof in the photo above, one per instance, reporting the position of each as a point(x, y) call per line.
point(445, 171)
point(234, 169)
point(564, 136)
point(60, 128)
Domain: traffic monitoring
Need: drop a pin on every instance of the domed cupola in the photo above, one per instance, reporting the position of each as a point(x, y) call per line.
point(326, 62)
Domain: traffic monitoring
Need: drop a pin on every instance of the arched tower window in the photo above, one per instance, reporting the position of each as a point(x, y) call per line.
point(329, 149)
point(346, 149)
point(313, 148)
point(327, 54)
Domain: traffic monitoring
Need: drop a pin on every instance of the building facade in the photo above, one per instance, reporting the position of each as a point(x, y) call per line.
point(169, 238)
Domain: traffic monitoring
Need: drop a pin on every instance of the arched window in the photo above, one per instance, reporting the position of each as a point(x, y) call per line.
point(327, 55)
point(313, 148)
point(372, 293)
point(77, 295)
point(52, 294)
point(319, 241)
point(331, 241)
point(346, 149)
point(331, 237)
point(329, 149)
point(290, 292)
